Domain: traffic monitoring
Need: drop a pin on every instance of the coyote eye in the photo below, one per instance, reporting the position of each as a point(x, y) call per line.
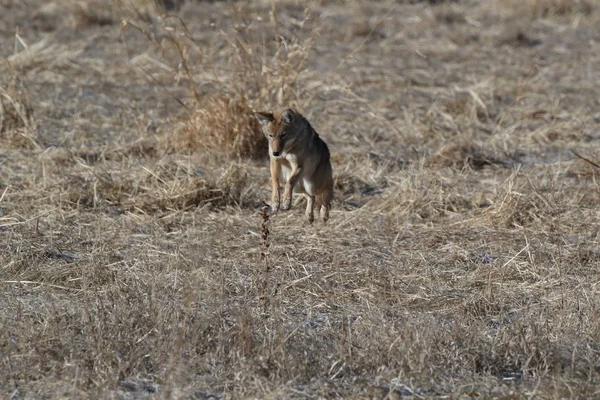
point(282, 135)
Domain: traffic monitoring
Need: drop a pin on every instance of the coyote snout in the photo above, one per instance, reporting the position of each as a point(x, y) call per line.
point(275, 145)
point(300, 158)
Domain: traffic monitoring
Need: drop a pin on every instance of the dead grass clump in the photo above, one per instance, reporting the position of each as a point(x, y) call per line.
point(143, 147)
point(459, 155)
point(168, 188)
point(233, 182)
point(160, 191)
point(165, 191)
point(222, 124)
point(522, 203)
point(353, 192)
point(181, 195)
point(423, 194)
point(17, 123)
point(98, 190)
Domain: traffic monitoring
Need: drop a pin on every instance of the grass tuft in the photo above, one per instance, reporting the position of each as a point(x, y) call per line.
point(18, 126)
point(222, 124)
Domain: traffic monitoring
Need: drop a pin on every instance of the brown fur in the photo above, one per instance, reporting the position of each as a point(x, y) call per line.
point(300, 158)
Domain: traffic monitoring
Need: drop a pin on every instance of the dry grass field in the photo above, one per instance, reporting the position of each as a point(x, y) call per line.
point(462, 257)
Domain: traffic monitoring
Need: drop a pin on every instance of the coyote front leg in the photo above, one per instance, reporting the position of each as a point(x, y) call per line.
point(275, 196)
point(289, 185)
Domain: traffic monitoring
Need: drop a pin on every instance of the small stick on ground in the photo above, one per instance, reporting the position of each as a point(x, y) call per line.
point(585, 159)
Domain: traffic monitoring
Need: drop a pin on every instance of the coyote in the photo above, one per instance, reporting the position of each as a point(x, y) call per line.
point(299, 157)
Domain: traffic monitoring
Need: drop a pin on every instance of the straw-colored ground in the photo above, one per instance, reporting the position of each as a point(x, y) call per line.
point(462, 258)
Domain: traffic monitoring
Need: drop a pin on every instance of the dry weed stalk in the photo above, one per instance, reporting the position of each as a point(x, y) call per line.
point(263, 286)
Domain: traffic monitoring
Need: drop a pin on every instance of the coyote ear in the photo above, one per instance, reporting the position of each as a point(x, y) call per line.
point(264, 117)
point(287, 116)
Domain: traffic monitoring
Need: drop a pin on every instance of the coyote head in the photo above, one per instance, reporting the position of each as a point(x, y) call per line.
point(281, 129)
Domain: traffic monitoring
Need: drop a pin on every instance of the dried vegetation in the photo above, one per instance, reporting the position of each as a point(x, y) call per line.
point(463, 252)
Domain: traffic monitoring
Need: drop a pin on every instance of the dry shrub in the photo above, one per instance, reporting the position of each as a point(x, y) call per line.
point(261, 75)
point(223, 124)
point(17, 124)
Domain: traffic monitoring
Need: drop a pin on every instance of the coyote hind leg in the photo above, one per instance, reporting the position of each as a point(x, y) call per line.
point(325, 201)
point(310, 208)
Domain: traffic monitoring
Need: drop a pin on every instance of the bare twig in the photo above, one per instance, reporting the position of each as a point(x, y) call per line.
point(585, 159)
